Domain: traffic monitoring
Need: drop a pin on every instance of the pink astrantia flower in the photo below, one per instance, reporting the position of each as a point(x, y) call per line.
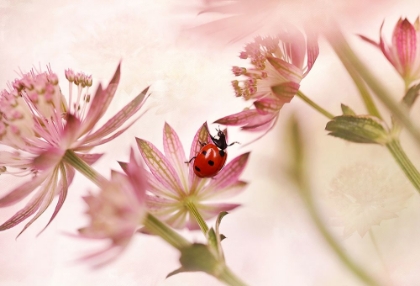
point(172, 182)
point(42, 131)
point(278, 66)
point(117, 211)
point(404, 51)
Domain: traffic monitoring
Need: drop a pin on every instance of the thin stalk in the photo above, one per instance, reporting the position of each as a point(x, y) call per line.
point(72, 159)
point(360, 84)
point(159, 228)
point(196, 214)
point(314, 105)
point(228, 277)
point(338, 42)
point(394, 146)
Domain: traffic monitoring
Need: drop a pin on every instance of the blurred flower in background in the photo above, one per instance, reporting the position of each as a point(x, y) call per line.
point(117, 211)
point(363, 195)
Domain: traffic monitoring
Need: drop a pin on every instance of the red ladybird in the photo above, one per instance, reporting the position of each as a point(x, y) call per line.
point(212, 156)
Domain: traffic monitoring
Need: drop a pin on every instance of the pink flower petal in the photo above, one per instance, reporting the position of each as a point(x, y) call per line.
point(240, 118)
point(288, 71)
point(268, 105)
point(100, 102)
point(175, 152)
point(160, 166)
point(286, 91)
point(48, 159)
point(224, 193)
point(209, 211)
point(312, 51)
point(70, 132)
point(202, 135)
point(120, 118)
point(404, 41)
point(89, 158)
point(23, 190)
point(230, 173)
point(137, 176)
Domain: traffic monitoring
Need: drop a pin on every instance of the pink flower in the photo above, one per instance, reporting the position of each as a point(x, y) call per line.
point(278, 66)
point(173, 184)
point(47, 136)
point(118, 210)
point(404, 51)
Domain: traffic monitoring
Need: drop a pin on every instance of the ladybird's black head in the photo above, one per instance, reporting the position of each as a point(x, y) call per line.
point(220, 142)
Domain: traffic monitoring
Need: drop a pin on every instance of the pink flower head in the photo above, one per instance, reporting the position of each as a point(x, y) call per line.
point(404, 51)
point(118, 210)
point(38, 127)
point(278, 64)
point(172, 182)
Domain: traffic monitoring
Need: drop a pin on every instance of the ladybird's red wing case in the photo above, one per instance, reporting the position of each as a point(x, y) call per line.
point(209, 161)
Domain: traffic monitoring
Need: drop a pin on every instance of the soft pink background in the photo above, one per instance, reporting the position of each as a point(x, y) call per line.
point(271, 240)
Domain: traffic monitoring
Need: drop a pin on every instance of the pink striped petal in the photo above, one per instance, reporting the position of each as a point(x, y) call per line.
point(288, 71)
point(49, 190)
point(384, 48)
point(71, 131)
point(101, 101)
point(23, 190)
point(13, 159)
point(48, 159)
point(262, 126)
point(268, 105)
point(312, 51)
point(175, 152)
point(120, 118)
point(160, 166)
point(230, 173)
point(89, 158)
point(209, 211)
point(223, 193)
point(286, 90)
point(294, 40)
point(137, 176)
point(240, 118)
point(404, 42)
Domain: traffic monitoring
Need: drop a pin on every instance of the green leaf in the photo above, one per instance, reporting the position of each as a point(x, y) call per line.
point(358, 128)
point(347, 110)
point(411, 95)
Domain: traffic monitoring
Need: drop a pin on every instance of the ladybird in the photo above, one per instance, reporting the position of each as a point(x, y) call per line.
point(212, 156)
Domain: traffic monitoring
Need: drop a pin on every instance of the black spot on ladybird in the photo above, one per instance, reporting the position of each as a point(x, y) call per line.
point(211, 163)
point(222, 153)
point(204, 152)
point(197, 169)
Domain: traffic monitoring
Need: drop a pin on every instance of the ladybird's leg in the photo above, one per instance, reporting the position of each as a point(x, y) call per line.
point(236, 142)
point(187, 162)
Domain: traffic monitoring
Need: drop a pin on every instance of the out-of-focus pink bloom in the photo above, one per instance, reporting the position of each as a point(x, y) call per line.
point(172, 183)
point(118, 210)
point(38, 126)
point(278, 66)
point(404, 51)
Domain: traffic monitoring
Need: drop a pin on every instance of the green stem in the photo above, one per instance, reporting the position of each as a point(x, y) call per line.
point(72, 159)
point(360, 84)
point(196, 214)
point(394, 146)
point(159, 228)
point(314, 105)
point(298, 174)
point(228, 277)
point(338, 42)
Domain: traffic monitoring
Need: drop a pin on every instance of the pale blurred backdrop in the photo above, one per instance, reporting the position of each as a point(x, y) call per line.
point(270, 239)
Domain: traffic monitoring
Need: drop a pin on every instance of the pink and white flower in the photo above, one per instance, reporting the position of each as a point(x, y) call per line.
point(173, 184)
point(43, 134)
point(404, 51)
point(118, 210)
point(278, 66)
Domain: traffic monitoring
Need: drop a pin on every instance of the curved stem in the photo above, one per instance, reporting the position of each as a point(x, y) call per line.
point(228, 277)
point(394, 146)
point(196, 214)
point(159, 228)
point(314, 105)
point(72, 159)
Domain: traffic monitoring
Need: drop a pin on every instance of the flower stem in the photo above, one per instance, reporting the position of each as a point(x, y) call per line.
point(314, 105)
point(196, 214)
point(394, 146)
point(360, 84)
point(72, 159)
point(159, 228)
point(339, 43)
point(299, 176)
point(228, 277)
